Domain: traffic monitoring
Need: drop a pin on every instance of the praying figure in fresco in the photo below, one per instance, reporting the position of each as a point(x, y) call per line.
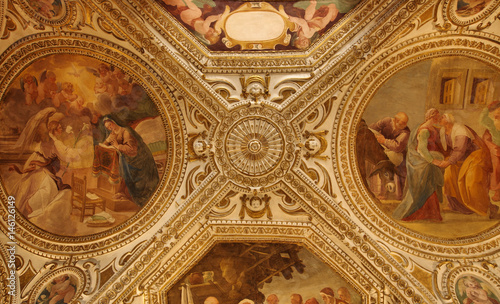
point(192, 16)
point(137, 166)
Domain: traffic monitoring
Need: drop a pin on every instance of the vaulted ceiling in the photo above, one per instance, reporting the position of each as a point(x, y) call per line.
point(254, 140)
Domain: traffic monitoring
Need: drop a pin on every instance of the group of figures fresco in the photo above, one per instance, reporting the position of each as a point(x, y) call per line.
point(441, 157)
point(311, 18)
point(258, 273)
point(67, 117)
point(450, 154)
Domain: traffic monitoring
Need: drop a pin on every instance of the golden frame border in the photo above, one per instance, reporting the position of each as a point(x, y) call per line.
point(157, 87)
point(266, 61)
point(349, 114)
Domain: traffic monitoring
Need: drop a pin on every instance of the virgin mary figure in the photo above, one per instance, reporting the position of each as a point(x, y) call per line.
point(137, 166)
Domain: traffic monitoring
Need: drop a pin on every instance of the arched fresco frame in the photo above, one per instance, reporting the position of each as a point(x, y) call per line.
point(323, 228)
point(349, 115)
point(159, 90)
point(372, 283)
point(71, 272)
point(317, 54)
point(447, 276)
point(450, 15)
point(65, 14)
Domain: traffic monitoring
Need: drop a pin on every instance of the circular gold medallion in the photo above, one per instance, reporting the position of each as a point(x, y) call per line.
point(254, 146)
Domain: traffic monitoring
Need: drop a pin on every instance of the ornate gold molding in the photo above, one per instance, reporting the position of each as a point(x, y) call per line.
point(268, 61)
point(447, 274)
point(64, 15)
point(448, 17)
point(52, 272)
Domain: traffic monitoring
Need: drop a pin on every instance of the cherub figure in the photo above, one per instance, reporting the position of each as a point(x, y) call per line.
point(124, 87)
point(123, 82)
point(101, 87)
point(312, 22)
point(106, 75)
point(255, 89)
point(67, 97)
point(46, 8)
point(256, 92)
point(48, 87)
point(30, 87)
point(192, 16)
point(61, 290)
point(118, 74)
point(466, 8)
point(475, 293)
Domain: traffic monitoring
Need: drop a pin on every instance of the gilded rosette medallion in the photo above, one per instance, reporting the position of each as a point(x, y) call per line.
point(254, 146)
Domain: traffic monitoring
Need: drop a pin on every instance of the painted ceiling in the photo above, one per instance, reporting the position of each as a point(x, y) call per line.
point(249, 152)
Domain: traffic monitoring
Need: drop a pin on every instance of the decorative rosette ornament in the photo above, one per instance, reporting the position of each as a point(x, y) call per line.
point(255, 146)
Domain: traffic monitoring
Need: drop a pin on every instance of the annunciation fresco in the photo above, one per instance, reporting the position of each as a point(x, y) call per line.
point(82, 145)
point(428, 147)
point(241, 25)
point(269, 273)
